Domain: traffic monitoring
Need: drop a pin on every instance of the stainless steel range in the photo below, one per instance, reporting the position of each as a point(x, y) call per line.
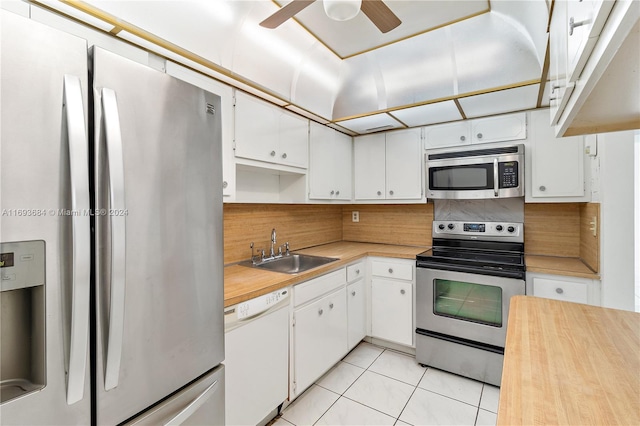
point(463, 289)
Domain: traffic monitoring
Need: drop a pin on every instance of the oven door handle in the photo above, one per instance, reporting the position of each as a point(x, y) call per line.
point(495, 177)
point(504, 273)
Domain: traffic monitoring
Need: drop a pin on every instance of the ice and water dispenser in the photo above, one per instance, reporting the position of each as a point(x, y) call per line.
point(22, 318)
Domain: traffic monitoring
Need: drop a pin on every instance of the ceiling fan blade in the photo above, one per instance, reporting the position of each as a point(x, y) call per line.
point(381, 16)
point(285, 12)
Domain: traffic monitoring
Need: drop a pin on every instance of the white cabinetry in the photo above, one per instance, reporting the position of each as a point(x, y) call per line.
point(568, 289)
point(330, 168)
point(450, 134)
point(508, 127)
point(585, 20)
point(264, 132)
point(319, 327)
point(392, 304)
point(556, 169)
point(388, 166)
point(356, 304)
point(500, 128)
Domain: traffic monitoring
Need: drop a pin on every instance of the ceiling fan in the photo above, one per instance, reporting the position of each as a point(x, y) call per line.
point(339, 10)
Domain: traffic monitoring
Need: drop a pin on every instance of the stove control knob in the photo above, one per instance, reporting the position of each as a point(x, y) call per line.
point(441, 227)
point(498, 227)
point(511, 229)
point(450, 226)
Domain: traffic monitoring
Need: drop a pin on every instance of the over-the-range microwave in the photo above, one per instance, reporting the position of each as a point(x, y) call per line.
point(475, 174)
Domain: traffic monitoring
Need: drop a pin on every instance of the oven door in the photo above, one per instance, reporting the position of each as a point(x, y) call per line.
point(463, 305)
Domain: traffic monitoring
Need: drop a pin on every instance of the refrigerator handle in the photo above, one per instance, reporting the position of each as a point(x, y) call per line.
point(73, 113)
point(188, 411)
point(113, 137)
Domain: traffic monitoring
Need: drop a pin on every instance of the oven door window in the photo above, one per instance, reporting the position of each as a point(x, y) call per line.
point(464, 177)
point(465, 301)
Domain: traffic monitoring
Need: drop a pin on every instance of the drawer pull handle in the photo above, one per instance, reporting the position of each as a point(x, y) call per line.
point(353, 293)
point(559, 290)
point(390, 270)
point(284, 155)
point(330, 305)
point(273, 153)
point(320, 311)
point(357, 271)
point(402, 291)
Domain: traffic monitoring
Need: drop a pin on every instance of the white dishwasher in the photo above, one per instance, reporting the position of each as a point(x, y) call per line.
point(256, 358)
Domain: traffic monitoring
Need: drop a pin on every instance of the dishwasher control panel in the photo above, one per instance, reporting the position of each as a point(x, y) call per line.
point(258, 305)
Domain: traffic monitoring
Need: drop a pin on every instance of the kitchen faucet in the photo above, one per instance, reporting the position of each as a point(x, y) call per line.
point(273, 242)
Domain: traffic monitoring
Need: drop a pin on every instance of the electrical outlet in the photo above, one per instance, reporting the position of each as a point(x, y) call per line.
point(355, 216)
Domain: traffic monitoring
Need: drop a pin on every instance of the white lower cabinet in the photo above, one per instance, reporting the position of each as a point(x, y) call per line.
point(356, 306)
point(392, 294)
point(568, 289)
point(319, 328)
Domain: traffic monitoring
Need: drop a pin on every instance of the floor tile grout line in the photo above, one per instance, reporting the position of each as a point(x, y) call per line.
point(410, 396)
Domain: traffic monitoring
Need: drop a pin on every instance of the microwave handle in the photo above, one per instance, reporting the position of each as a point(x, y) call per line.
point(495, 177)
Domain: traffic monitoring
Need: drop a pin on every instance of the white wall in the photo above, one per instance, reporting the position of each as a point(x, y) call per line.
point(617, 194)
point(637, 215)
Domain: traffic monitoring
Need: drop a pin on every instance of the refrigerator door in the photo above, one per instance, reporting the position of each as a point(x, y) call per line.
point(159, 268)
point(44, 227)
point(200, 403)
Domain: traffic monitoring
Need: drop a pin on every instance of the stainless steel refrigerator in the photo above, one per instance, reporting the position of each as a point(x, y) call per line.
point(110, 238)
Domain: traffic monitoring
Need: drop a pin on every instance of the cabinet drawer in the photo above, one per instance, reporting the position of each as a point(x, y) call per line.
point(397, 270)
point(560, 290)
point(311, 289)
point(355, 271)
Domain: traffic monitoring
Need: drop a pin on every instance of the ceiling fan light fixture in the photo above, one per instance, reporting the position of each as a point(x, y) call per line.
point(342, 10)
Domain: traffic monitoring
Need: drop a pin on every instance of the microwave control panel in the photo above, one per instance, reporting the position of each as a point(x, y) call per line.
point(508, 172)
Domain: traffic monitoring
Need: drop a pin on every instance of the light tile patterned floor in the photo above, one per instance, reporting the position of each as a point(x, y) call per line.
point(377, 386)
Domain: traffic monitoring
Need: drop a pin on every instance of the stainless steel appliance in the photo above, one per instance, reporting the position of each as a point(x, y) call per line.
point(475, 174)
point(463, 287)
point(111, 238)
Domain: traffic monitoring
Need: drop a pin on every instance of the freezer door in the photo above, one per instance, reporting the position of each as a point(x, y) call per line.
point(159, 269)
point(200, 403)
point(44, 182)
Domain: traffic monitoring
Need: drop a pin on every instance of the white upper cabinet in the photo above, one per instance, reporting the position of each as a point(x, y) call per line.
point(585, 20)
point(556, 166)
point(388, 167)
point(330, 164)
point(267, 133)
point(508, 127)
point(449, 134)
point(369, 167)
point(560, 88)
point(499, 128)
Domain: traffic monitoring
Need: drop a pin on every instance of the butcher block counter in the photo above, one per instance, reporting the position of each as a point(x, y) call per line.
point(243, 283)
point(568, 363)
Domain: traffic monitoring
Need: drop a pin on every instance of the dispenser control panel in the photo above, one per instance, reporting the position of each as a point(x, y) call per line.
point(22, 264)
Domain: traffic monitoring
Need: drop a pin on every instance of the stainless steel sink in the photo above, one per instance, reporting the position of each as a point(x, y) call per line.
point(291, 264)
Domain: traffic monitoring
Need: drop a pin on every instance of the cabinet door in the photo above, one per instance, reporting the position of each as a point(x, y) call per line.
point(320, 337)
point(256, 129)
point(404, 165)
point(500, 128)
point(450, 134)
point(585, 21)
point(557, 164)
point(369, 167)
point(392, 310)
point(330, 164)
point(356, 313)
point(560, 87)
point(293, 140)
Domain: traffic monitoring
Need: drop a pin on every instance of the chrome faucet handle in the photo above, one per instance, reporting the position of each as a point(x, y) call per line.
point(286, 248)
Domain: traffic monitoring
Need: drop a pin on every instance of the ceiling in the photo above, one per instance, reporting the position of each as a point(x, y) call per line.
point(448, 60)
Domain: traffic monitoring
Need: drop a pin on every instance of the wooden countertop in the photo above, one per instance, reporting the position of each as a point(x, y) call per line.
point(568, 363)
point(243, 283)
point(568, 266)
